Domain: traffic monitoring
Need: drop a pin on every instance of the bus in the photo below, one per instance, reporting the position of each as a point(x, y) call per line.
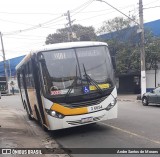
point(3, 85)
point(68, 84)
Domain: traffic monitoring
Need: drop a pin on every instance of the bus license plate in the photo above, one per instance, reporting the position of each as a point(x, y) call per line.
point(88, 119)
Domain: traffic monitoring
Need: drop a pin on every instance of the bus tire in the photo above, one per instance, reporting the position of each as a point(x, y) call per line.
point(39, 120)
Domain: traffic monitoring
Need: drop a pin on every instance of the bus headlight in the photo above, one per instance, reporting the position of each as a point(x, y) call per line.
point(112, 104)
point(54, 114)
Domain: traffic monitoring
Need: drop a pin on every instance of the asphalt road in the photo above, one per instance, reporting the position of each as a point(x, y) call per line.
point(137, 126)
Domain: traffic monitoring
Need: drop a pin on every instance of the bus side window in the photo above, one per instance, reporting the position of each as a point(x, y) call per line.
point(18, 75)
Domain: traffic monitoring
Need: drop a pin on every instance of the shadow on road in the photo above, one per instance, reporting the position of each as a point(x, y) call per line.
point(80, 130)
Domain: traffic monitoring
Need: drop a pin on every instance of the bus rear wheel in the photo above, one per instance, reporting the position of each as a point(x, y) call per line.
point(39, 120)
point(29, 116)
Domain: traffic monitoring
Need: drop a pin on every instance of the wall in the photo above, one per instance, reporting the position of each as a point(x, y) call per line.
point(150, 79)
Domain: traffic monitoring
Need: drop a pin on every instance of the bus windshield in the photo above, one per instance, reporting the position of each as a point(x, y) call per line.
point(76, 71)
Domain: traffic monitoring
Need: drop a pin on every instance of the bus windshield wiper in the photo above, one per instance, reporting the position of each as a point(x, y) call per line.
point(72, 85)
point(92, 81)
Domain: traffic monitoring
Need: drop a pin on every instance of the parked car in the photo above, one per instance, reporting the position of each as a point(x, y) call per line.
point(151, 97)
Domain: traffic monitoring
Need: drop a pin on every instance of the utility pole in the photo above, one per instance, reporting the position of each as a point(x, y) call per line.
point(155, 64)
point(71, 35)
point(70, 26)
point(142, 49)
point(4, 60)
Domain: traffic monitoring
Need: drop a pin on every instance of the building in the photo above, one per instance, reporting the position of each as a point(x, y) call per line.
point(130, 82)
point(153, 26)
point(11, 64)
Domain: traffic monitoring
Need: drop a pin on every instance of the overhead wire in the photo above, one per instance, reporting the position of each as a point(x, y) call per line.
point(20, 38)
point(151, 7)
point(88, 4)
point(33, 27)
point(79, 7)
point(50, 22)
point(102, 14)
point(21, 13)
point(150, 3)
point(44, 24)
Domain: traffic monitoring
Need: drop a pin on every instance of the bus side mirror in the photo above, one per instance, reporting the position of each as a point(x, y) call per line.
point(113, 62)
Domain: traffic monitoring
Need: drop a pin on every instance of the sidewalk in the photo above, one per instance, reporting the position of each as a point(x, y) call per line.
point(16, 131)
point(128, 97)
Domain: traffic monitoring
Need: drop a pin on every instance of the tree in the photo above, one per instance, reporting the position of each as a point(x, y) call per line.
point(124, 41)
point(82, 34)
point(152, 53)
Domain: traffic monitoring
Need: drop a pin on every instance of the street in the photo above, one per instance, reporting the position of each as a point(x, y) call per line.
point(137, 126)
point(17, 131)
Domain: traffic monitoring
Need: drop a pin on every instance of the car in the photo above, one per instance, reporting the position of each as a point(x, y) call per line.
point(151, 97)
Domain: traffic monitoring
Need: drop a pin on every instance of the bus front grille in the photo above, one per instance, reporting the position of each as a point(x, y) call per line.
point(87, 103)
point(78, 122)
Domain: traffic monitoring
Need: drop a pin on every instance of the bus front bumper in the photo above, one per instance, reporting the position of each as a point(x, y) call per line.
point(78, 120)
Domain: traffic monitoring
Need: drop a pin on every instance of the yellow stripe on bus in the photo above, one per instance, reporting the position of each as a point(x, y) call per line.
point(68, 111)
point(102, 86)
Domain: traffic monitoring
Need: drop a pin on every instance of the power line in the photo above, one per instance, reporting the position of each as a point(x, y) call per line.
point(94, 16)
point(23, 38)
point(119, 11)
point(79, 7)
point(21, 13)
point(83, 8)
point(99, 15)
point(38, 36)
point(104, 10)
point(150, 3)
point(32, 28)
point(15, 22)
point(152, 7)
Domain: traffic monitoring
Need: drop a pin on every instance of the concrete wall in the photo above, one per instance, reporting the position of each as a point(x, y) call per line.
point(150, 79)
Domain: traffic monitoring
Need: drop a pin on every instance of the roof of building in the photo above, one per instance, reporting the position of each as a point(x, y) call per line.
point(153, 26)
point(11, 64)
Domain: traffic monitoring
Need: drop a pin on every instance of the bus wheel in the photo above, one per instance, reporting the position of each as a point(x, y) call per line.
point(29, 116)
point(40, 120)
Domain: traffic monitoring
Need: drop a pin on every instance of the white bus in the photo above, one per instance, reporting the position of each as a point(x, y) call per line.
point(68, 84)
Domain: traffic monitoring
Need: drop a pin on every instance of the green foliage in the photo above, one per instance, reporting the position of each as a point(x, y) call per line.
point(152, 50)
point(124, 45)
point(128, 59)
point(115, 25)
point(82, 34)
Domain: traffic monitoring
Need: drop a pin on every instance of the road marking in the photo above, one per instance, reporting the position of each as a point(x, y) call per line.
point(131, 133)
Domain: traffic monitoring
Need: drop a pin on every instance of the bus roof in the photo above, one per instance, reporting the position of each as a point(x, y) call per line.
point(56, 46)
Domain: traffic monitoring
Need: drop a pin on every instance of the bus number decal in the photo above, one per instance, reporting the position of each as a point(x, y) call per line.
point(95, 108)
point(57, 92)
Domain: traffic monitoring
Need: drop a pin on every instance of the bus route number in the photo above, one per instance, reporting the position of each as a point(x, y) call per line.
point(96, 108)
